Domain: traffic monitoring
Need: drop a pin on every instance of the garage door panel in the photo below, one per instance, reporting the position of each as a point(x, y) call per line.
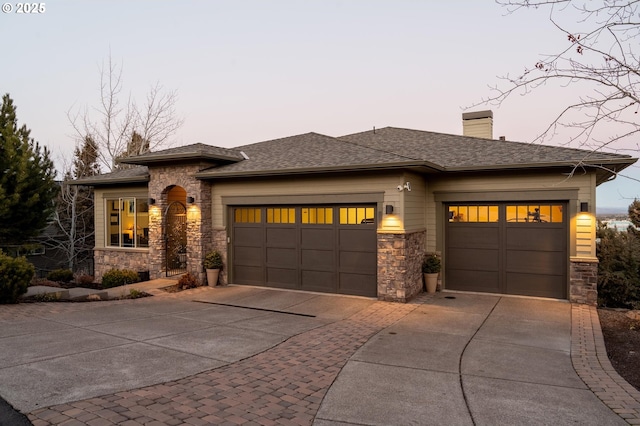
point(357, 261)
point(537, 285)
point(281, 237)
point(358, 239)
point(484, 281)
point(323, 281)
point(248, 256)
point(358, 284)
point(250, 236)
point(317, 238)
point(250, 275)
point(319, 260)
point(535, 262)
point(474, 236)
point(534, 238)
point(473, 259)
point(282, 277)
point(284, 257)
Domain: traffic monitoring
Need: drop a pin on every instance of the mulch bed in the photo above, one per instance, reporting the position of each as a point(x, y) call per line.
point(622, 339)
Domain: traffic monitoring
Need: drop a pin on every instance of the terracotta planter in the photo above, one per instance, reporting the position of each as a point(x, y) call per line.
point(431, 281)
point(212, 277)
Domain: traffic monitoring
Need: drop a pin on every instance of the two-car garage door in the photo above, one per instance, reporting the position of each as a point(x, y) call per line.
point(510, 248)
point(315, 248)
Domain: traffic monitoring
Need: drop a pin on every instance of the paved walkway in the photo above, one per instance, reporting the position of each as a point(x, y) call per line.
point(590, 360)
point(469, 360)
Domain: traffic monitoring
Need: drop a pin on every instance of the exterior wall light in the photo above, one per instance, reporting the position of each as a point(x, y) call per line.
point(152, 201)
point(191, 200)
point(388, 209)
point(584, 207)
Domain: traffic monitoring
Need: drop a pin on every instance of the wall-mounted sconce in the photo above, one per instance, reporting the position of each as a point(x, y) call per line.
point(406, 186)
point(152, 201)
point(584, 207)
point(388, 209)
point(191, 200)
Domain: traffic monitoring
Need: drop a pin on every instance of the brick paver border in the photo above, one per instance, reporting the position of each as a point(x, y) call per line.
point(590, 360)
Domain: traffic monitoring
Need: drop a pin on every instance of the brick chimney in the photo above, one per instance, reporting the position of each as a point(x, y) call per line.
point(478, 124)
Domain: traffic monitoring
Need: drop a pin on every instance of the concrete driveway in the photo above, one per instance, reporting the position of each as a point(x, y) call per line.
point(241, 355)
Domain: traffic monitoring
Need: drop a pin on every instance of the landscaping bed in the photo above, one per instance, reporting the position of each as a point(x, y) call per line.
point(622, 339)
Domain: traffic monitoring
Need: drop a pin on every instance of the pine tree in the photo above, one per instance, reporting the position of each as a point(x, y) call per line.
point(27, 180)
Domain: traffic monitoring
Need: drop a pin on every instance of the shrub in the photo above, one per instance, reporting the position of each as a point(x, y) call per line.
point(118, 277)
point(213, 260)
point(84, 279)
point(618, 268)
point(15, 276)
point(188, 281)
point(62, 275)
point(431, 264)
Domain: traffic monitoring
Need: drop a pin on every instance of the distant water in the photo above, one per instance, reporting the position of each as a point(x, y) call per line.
point(619, 225)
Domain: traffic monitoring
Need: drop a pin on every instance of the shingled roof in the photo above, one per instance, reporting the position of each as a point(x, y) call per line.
point(307, 153)
point(196, 151)
point(386, 148)
point(136, 174)
point(394, 147)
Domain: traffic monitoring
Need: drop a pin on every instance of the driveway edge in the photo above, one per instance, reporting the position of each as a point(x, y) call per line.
point(590, 360)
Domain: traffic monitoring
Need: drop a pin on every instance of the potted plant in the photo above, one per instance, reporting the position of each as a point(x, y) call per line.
point(212, 263)
point(431, 266)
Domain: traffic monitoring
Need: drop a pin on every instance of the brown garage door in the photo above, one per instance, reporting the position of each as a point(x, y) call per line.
point(316, 248)
point(510, 248)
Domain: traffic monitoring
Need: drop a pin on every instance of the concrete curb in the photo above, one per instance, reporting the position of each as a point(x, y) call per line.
point(590, 360)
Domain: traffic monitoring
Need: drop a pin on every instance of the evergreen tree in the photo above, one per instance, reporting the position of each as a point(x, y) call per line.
point(27, 180)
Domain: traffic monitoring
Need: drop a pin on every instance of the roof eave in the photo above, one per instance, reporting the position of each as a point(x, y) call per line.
point(623, 162)
point(155, 159)
point(115, 181)
point(317, 170)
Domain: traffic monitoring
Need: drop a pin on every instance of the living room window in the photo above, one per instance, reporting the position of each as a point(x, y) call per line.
point(127, 222)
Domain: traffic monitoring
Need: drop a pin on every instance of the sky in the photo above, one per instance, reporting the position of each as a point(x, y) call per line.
point(249, 71)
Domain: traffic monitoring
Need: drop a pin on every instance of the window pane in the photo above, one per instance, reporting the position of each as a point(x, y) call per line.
point(493, 214)
point(512, 214)
point(371, 215)
point(473, 213)
point(328, 217)
point(352, 216)
point(142, 223)
point(556, 214)
point(545, 213)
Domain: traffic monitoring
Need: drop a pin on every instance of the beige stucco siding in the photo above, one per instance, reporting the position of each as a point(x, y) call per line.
point(100, 194)
point(413, 216)
point(317, 189)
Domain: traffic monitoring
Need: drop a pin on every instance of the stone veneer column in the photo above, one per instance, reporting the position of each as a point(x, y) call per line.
point(399, 266)
point(199, 219)
point(583, 287)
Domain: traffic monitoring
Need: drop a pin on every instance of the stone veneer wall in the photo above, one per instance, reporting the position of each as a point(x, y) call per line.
point(399, 266)
point(220, 244)
point(199, 220)
point(583, 283)
point(107, 259)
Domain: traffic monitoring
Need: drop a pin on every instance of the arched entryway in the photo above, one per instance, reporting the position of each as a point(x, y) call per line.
point(175, 233)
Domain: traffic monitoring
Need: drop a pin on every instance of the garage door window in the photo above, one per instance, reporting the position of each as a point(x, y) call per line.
point(317, 215)
point(247, 215)
point(357, 215)
point(281, 215)
point(534, 213)
point(473, 214)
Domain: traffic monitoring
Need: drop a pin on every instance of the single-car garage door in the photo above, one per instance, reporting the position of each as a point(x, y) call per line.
point(315, 248)
point(510, 248)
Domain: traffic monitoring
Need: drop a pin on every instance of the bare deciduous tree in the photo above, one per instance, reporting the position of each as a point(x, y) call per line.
point(602, 57)
point(114, 122)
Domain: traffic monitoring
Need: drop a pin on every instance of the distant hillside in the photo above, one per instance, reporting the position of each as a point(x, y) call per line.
point(611, 211)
